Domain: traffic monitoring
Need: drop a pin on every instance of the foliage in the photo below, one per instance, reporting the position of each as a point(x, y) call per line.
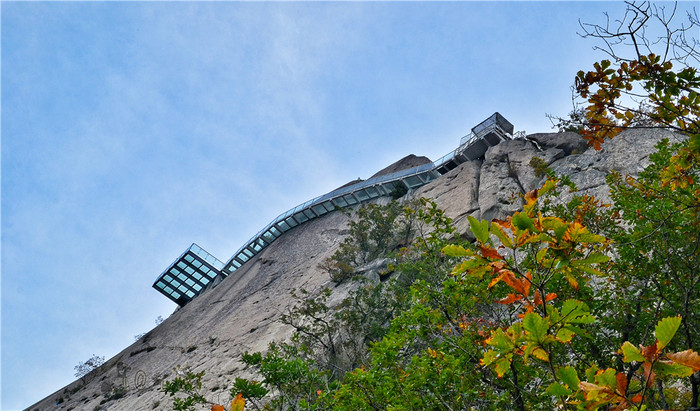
point(374, 231)
point(188, 383)
point(399, 191)
point(655, 85)
point(539, 166)
point(116, 393)
point(90, 364)
point(289, 375)
point(84, 369)
point(658, 242)
point(526, 311)
point(521, 319)
point(330, 342)
point(573, 122)
point(563, 305)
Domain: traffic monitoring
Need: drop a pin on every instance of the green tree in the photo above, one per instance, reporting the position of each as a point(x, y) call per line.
point(576, 305)
point(374, 231)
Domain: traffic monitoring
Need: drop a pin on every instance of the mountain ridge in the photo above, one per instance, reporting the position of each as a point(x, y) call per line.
point(241, 313)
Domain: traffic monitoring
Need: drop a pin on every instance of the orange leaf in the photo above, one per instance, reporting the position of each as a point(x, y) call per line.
point(497, 265)
point(217, 407)
point(538, 299)
point(621, 383)
point(508, 300)
point(521, 286)
point(649, 375)
point(531, 197)
point(504, 224)
point(637, 398)
point(550, 297)
point(488, 252)
point(689, 358)
point(649, 352)
point(526, 284)
point(506, 276)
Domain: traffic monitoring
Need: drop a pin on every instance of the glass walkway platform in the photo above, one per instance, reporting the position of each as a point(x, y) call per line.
point(196, 270)
point(189, 275)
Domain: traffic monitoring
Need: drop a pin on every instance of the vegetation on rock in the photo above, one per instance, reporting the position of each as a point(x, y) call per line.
point(563, 305)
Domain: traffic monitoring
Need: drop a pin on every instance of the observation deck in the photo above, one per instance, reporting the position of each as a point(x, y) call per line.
point(196, 270)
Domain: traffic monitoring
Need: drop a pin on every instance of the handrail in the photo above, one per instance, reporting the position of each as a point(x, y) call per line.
point(430, 171)
point(486, 134)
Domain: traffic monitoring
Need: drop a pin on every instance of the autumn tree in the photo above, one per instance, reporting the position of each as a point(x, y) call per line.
point(576, 305)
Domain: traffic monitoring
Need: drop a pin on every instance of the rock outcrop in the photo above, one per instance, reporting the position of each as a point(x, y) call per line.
point(241, 313)
point(409, 161)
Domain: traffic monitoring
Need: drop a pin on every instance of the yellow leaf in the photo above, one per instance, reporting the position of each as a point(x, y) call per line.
point(238, 403)
point(587, 386)
point(540, 354)
point(498, 231)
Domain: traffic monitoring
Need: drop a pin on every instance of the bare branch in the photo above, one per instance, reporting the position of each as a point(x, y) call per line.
point(637, 29)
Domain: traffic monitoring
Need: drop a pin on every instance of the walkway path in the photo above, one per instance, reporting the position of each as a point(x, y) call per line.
point(196, 270)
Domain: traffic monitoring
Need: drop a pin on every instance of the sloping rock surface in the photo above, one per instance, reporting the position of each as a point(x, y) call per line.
point(409, 161)
point(241, 313)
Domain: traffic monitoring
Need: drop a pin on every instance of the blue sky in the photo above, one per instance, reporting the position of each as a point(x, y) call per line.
point(131, 130)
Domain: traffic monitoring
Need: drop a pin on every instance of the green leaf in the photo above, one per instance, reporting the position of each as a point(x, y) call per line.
point(489, 358)
point(479, 228)
point(631, 353)
point(593, 271)
point(536, 326)
point(540, 254)
point(590, 238)
point(497, 230)
point(576, 312)
point(501, 340)
point(555, 224)
point(565, 335)
point(591, 372)
point(561, 264)
point(607, 378)
point(678, 370)
point(523, 222)
point(502, 366)
point(594, 258)
point(569, 376)
point(548, 186)
point(453, 250)
point(466, 265)
point(665, 330)
point(694, 142)
point(558, 390)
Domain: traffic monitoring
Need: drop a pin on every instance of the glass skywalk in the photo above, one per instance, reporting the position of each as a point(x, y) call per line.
point(196, 269)
point(189, 275)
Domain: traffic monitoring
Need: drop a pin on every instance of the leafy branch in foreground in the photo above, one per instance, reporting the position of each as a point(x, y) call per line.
point(190, 384)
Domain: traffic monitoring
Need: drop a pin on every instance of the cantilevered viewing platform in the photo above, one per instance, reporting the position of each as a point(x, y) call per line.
point(196, 270)
point(189, 275)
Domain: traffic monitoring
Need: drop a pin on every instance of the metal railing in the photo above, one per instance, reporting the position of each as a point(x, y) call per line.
point(365, 190)
point(471, 146)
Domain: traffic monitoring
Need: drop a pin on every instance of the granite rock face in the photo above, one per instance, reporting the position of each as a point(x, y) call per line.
point(241, 313)
point(409, 161)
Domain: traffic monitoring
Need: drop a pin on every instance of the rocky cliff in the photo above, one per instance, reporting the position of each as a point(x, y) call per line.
point(241, 313)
